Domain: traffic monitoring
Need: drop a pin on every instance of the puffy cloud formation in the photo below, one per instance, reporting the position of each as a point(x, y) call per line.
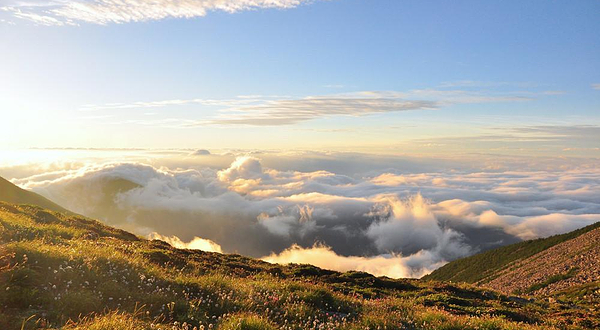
point(394, 266)
point(125, 11)
point(243, 168)
point(385, 215)
point(299, 220)
point(196, 243)
point(410, 226)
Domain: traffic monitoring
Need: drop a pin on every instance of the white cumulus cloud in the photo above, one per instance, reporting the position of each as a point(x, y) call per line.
point(196, 243)
point(393, 266)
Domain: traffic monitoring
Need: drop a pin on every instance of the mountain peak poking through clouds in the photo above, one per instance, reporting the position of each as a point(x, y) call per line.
point(200, 152)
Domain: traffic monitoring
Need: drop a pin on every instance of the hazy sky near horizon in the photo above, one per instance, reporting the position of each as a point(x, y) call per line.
point(386, 76)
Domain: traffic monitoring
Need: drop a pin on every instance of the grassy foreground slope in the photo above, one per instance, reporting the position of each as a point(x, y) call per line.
point(485, 267)
point(12, 194)
point(67, 271)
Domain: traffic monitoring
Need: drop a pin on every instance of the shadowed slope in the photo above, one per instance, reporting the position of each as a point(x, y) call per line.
point(10, 193)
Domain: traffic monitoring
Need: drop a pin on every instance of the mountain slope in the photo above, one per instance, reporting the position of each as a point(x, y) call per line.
point(572, 263)
point(485, 266)
point(10, 193)
point(67, 271)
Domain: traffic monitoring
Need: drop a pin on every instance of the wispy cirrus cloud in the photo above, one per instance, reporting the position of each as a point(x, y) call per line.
point(38, 18)
point(258, 110)
point(579, 132)
point(479, 83)
point(165, 103)
point(577, 139)
point(49, 12)
point(287, 112)
point(475, 84)
point(240, 100)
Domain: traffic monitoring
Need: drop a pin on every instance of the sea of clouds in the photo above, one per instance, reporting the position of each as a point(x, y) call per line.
point(394, 216)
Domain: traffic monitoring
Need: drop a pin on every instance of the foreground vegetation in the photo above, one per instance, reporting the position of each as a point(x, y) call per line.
point(70, 272)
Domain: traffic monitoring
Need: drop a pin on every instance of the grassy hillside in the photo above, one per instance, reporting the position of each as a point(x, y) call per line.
point(12, 194)
point(571, 266)
point(67, 271)
point(486, 266)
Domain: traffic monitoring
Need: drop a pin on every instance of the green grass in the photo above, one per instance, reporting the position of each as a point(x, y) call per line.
point(60, 271)
point(483, 267)
point(246, 322)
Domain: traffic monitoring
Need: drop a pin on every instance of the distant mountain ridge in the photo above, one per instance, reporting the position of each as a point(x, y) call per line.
point(11, 193)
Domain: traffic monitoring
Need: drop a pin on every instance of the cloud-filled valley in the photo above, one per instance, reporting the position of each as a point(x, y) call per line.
point(400, 220)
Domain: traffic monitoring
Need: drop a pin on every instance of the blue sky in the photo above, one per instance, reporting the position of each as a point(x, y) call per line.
point(483, 67)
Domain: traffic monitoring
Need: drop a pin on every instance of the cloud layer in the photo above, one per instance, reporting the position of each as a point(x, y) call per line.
point(125, 11)
point(380, 215)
